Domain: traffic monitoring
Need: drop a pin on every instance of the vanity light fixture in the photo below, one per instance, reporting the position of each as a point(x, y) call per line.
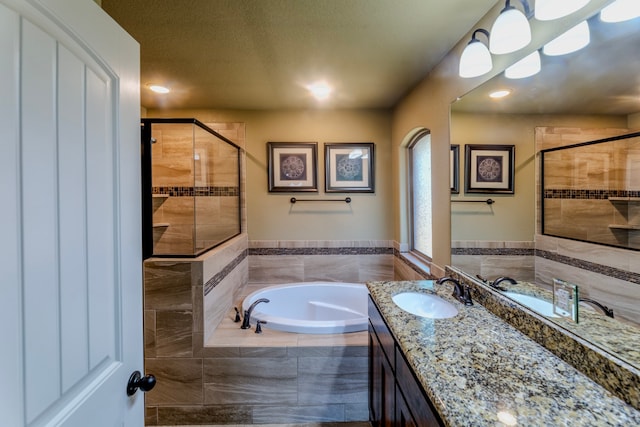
point(620, 10)
point(320, 90)
point(526, 67)
point(159, 89)
point(574, 39)
point(547, 10)
point(476, 58)
point(511, 30)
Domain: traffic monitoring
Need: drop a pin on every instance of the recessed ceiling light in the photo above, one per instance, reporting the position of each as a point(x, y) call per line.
point(159, 89)
point(499, 93)
point(320, 90)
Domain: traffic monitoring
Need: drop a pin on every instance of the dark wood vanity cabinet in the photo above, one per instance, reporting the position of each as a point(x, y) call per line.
point(395, 396)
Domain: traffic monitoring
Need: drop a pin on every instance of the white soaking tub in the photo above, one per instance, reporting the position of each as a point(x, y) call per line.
point(311, 307)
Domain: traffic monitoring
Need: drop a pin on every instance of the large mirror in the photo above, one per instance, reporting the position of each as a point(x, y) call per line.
point(587, 95)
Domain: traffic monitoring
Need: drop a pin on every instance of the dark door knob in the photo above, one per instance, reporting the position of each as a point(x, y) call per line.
point(137, 381)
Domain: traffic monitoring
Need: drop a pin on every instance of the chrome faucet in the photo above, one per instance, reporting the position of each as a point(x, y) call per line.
point(496, 283)
point(247, 313)
point(460, 292)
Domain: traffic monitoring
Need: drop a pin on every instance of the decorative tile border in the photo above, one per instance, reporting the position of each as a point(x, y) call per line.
point(219, 277)
point(551, 256)
point(551, 193)
point(590, 266)
point(321, 251)
point(196, 191)
point(493, 251)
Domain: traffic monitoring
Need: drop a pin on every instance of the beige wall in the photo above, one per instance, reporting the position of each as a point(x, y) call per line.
point(270, 216)
point(512, 217)
point(428, 106)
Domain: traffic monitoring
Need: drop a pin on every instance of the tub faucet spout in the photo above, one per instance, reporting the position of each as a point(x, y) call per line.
point(247, 313)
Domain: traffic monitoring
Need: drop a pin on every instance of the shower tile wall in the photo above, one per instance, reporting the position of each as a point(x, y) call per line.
point(606, 274)
point(185, 188)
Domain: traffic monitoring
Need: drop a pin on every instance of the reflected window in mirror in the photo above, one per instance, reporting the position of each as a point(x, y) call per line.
point(420, 194)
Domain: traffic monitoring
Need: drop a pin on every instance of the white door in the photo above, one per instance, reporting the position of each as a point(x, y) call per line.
point(70, 246)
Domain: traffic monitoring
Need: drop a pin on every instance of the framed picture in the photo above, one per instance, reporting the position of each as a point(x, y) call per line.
point(349, 168)
point(489, 168)
point(292, 166)
point(454, 169)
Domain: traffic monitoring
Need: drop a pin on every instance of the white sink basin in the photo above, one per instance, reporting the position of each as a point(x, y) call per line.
point(425, 305)
point(539, 305)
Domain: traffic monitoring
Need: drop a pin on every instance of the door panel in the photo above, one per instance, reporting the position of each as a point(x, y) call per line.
point(70, 172)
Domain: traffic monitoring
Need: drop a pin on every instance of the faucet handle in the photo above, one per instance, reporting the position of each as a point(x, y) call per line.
point(258, 327)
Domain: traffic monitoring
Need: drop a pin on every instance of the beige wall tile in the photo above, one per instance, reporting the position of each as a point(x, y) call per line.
point(375, 267)
point(276, 269)
point(332, 268)
point(179, 381)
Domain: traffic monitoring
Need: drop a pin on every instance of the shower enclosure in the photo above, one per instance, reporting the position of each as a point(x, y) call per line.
point(190, 188)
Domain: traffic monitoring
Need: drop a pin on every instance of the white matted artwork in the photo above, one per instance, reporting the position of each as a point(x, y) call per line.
point(349, 167)
point(489, 168)
point(292, 166)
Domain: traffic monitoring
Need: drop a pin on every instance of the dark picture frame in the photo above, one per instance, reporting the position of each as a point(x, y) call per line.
point(349, 167)
point(454, 169)
point(489, 168)
point(292, 166)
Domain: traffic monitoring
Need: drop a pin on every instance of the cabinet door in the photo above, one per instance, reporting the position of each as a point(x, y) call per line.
point(403, 415)
point(423, 412)
point(381, 385)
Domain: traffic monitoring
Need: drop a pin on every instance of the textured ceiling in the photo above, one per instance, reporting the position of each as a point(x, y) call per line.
point(260, 54)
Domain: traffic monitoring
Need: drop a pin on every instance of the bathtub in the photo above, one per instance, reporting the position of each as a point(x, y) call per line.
point(311, 307)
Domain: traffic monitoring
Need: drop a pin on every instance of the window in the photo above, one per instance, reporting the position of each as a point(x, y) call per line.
point(420, 194)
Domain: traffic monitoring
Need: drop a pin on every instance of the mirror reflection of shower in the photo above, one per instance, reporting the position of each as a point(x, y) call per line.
point(190, 188)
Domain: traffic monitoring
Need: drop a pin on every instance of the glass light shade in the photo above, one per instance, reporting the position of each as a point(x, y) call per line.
point(526, 67)
point(621, 10)
point(510, 32)
point(475, 60)
point(547, 10)
point(571, 41)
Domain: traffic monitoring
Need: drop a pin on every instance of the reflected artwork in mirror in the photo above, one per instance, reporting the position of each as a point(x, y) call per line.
point(588, 95)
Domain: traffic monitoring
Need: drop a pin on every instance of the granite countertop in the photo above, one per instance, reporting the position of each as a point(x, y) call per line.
point(477, 369)
point(613, 335)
